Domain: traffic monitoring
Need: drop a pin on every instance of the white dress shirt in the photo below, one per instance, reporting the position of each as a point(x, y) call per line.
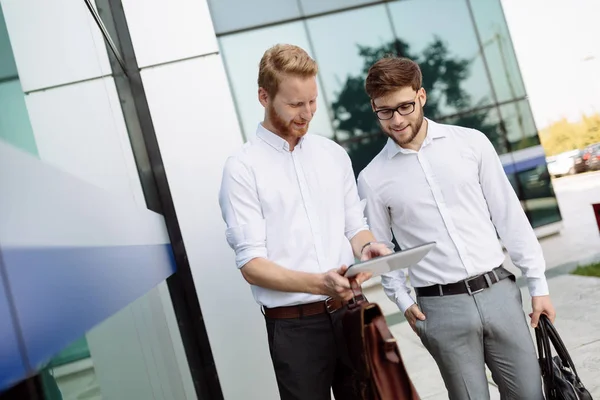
point(452, 191)
point(296, 208)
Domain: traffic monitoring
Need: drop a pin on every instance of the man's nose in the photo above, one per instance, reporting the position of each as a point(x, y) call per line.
point(397, 119)
point(306, 113)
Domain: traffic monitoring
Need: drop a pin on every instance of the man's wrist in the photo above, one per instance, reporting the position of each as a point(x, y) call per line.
point(404, 301)
point(362, 250)
point(316, 283)
point(538, 286)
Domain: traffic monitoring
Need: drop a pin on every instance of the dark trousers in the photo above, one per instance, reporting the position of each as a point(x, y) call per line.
point(310, 357)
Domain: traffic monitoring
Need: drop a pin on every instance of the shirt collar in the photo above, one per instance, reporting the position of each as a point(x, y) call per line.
point(274, 140)
point(434, 131)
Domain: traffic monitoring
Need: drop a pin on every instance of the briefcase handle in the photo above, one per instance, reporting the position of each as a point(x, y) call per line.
point(546, 333)
point(544, 352)
point(357, 294)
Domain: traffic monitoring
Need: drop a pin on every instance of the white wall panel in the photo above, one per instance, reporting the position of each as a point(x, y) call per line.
point(54, 42)
point(80, 129)
point(162, 33)
point(197, 129)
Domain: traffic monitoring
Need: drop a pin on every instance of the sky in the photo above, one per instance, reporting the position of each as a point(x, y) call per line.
point(557, 44)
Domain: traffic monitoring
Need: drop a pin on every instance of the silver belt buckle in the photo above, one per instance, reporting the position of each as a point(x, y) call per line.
point(328, 305)
point(471, 293)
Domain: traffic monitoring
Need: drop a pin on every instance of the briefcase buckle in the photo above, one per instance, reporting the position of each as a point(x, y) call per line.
point(356, 299)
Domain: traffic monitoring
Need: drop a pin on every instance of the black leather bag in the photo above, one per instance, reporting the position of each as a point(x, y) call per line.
point(561, 381)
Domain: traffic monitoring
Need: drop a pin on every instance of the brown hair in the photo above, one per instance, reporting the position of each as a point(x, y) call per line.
point(280, 60)
point(390, 74)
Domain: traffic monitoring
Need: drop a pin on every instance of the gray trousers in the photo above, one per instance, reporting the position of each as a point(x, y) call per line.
point(463, 333)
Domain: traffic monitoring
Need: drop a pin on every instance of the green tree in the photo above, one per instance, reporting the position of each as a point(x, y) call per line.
point(443, 75)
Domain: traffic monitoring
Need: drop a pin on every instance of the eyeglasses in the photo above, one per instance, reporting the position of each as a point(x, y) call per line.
point(403, 109)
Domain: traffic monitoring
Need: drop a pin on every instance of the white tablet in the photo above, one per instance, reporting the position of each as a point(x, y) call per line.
point(384, 264)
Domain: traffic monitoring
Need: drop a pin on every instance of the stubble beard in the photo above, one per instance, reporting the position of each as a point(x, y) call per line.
point(283, 127)
point(415, 128)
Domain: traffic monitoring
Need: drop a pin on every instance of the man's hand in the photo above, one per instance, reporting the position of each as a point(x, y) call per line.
point(338, 286)
point(541, 305)
point(412, 314)
point(373, 250)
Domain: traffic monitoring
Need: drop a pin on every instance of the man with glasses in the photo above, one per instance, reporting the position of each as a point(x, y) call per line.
point(444, 183)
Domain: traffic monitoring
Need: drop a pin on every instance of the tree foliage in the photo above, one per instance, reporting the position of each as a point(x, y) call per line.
point(564, 135)
point(443, 75)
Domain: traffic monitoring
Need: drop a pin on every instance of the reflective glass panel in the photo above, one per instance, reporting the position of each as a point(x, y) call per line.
point(486, 121)
point(447, 51)
point(15, 127)
point(498, 49)
point(538, 195)
point(310, 7)
point(231, 15)
point(520, 127)
point(362, 36)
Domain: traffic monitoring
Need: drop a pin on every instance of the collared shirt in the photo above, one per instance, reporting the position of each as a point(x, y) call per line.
point(454, 192)
point(296, 208)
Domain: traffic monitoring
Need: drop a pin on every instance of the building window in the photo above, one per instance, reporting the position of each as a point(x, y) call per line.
point(470, 73)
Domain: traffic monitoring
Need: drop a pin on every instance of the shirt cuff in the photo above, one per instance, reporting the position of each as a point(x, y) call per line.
point(248, 241)
point(538, 286)
point(244, 257)
point(404, 301)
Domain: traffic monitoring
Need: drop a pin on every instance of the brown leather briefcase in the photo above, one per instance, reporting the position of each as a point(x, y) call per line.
point(374, 352)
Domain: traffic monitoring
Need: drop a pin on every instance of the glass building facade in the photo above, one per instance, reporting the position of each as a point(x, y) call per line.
point(116, 117)
point(470, 73)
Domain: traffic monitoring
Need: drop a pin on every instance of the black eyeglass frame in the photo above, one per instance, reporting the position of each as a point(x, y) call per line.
point(397, 109)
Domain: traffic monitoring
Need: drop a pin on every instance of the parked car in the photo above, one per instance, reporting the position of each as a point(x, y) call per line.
point(592, 157)
point(580, 165)
point(563, 163)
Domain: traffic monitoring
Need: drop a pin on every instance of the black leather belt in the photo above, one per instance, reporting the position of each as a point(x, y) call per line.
point(471, 285)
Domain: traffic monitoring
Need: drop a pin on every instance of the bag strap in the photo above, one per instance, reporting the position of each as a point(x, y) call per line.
point(545, 354)
point(558, 344)
point(390, 346)
point(389, 342)
point(359, 297)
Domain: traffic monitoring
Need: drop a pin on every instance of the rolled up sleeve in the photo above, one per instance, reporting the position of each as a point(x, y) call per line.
point(240, 208)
